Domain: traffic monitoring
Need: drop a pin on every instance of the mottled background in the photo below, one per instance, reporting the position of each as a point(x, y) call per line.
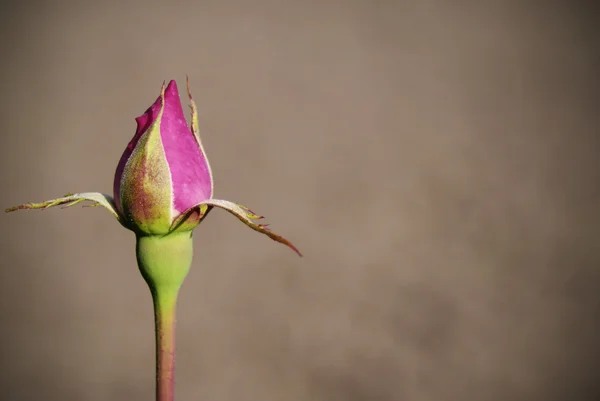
point(435, 161)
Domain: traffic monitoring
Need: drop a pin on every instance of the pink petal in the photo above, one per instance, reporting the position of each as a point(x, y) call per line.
point(190, 172)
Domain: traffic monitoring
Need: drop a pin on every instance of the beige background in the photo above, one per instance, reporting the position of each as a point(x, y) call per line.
point(436, 163)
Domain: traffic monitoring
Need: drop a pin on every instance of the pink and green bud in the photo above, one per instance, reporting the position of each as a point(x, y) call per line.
point(163, 182)
point(163, 171)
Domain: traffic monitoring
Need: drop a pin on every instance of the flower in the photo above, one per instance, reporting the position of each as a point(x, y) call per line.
point(163, 189)
point(163, 182)
point(163, 172)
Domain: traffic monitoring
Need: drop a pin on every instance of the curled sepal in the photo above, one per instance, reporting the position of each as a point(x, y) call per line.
point(96, 199)
point(244, 214)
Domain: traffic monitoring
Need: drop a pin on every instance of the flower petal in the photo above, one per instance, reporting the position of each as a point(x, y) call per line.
point(96, 198)
point(190, 172)
point(241, 212)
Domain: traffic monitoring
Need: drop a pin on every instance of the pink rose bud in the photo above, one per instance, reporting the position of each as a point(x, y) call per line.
point(163, 171)
point(163, 183)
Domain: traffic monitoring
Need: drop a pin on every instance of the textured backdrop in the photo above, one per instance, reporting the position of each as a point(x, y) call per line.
point(437, 164)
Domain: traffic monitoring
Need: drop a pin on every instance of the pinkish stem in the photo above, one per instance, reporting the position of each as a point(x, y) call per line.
point(164, 262)
point(164, 318)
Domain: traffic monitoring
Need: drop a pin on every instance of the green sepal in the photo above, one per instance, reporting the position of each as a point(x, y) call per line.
point(71, 199)
point(244, 214)
point(146, 190)
point(195, 127)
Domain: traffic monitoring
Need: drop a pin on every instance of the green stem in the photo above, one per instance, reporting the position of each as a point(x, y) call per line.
point(164, 263)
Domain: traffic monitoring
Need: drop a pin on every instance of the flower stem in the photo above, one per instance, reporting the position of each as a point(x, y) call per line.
point(164, 262)
point(164, 320)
